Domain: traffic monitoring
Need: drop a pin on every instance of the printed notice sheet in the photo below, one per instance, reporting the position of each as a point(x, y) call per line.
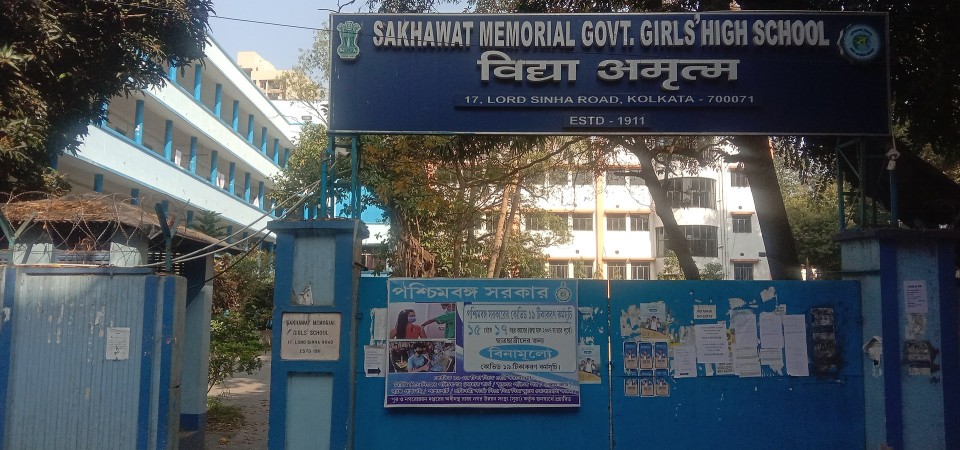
point(795, 344)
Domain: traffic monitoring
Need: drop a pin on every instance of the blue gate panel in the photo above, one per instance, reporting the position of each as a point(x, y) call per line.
point(822, 410)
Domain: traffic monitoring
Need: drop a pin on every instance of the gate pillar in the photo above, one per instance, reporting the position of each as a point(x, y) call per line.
point(910, 317)
point(314, 332)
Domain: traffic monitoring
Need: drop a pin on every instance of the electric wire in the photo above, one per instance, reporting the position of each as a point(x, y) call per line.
point(191, 256)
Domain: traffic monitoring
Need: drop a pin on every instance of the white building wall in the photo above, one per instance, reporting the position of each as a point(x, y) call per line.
point(112, 162)
point(639, 247)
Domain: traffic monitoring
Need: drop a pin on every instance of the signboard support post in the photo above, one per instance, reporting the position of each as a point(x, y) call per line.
point(314, 334)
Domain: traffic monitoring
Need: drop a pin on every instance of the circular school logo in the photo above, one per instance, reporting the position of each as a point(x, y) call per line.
point(860, 43)
point(563, 293)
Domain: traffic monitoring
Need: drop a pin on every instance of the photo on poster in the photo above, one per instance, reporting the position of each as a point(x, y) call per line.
point(660, 354)
point(422, 356)
point(646, 387)
point(661, 387)
point(416, 320)
point(630, 356)
point(631, 387)
point(646, 355)
point(588, 364)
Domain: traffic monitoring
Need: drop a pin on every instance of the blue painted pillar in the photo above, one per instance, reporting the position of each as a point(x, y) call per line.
point(218, 100)
point(168, 140)
point(910, 304)
point(213, 167)
point(195, 350)
point(235, 122)
point(135, 196)
point(246, 187)
point(233, 178)
point(263, 141)
point(54, 161)
point(189, 218)
point(98, 182)
point(193, 155)
point(104, 114)
point(250, 129)
point(229, 234)
point(260, 192)
point(197, 82)
point(172, 74)
point(166, 206)
point(286, 156)
point(276, 151)
point(138, 123)
point(312, 395)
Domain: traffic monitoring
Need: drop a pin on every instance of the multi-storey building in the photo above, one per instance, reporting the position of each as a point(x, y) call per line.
point(616, 233)
point(264, 75)
point(208, 140)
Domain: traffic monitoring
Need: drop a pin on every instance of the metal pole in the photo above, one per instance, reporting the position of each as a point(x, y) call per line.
point(841, 210)
point(324, 175)
point(354, 178)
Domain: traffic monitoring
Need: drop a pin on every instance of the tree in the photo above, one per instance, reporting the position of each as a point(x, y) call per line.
point(208, 223)
point(242, 306)
point(61, 62)
point(813, 214)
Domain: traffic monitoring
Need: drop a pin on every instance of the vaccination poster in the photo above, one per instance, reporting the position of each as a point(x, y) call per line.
point(482, 343)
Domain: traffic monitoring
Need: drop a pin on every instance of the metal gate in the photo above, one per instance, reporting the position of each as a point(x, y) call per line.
point(802, 389)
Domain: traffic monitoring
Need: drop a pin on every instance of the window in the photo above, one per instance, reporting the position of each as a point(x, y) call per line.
point(738, 179)
point(583, 269)
point(640, 223)
point(635, 180)
point(559, 269)
point(583, 222)
point(616, 180)
point(616, 222)
point(616, 270)
point(536, 222)
point(581, 178)
point(640, 271)
point(742, 224)
point(558, 177)
point(701, 238)
point(742, 271)
point(490, 223)
point(537, 177)
point(691, 192)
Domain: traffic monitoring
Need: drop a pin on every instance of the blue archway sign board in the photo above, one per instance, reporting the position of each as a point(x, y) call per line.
point(769, 73)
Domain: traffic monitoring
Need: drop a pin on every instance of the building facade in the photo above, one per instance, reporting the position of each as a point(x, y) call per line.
point(616, 233)
point(208, 140)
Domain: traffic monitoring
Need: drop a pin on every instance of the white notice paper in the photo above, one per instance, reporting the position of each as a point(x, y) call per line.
point(746, 363)
point(745, 324)
point(704, 312)
point(795, 344)
point(684, 362)
point(772, 357)
point(379, 324)
point(771, 330)
point(118, 343)
point(915, 295)
point(712, 343)
point(373, 361)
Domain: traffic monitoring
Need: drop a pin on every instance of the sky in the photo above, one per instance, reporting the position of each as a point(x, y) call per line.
point(278, 44)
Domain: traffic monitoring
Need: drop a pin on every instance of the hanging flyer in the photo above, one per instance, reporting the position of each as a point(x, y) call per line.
point(482, 343)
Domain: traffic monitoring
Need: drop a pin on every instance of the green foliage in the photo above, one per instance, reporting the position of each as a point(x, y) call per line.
point(208, 222)
point(61, 61)
point(242, 306)
point(712, 271)
point(234, 347)
point(813, 215)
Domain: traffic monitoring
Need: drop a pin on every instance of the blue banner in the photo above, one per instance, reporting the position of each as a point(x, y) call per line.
point(771, 73)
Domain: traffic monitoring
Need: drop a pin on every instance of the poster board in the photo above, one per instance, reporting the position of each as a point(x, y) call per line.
point(482, 343)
